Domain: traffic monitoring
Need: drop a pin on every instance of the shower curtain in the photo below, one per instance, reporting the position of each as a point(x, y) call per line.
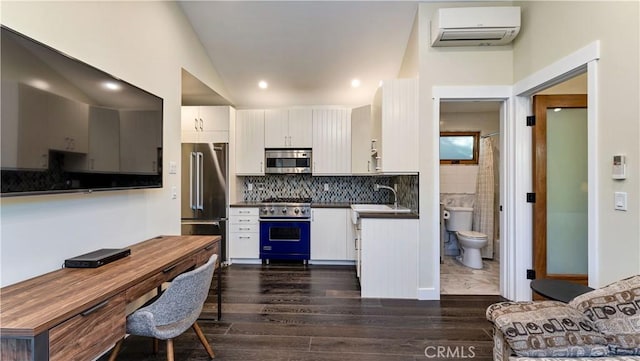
point(483, 208)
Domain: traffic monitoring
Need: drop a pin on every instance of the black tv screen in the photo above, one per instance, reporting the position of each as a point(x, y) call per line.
point(69, 127)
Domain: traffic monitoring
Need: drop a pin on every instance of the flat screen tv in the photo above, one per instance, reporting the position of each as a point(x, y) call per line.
point(68, 127)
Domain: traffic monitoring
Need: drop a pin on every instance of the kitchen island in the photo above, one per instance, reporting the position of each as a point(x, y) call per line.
point(386, 253)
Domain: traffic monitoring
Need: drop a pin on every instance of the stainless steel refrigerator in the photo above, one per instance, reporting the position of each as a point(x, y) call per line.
point(204, 190)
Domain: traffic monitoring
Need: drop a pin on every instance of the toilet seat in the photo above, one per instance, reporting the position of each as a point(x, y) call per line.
point(472, 234)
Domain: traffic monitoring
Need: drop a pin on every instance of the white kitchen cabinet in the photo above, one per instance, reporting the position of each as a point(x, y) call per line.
point(361, 145)
point(352, 244)
point(244, 233)
point(104, 143)
point(250, 142)
point(140, 141)
point(331, 142)
point(288, 128)
point(395, 126)
point(330, 234)
point(389, 258)
point(206, 124)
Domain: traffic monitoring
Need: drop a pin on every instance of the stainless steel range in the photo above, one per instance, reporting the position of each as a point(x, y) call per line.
point(285, 229)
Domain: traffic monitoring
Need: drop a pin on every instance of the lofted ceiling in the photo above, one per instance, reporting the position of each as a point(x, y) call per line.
point(307, 51)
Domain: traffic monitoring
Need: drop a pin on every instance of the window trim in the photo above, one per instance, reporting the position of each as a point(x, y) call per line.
point(476, 148)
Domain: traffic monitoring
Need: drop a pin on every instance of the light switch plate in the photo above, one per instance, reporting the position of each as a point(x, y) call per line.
point(173, 167)
point(326, 187)
point(620, 201)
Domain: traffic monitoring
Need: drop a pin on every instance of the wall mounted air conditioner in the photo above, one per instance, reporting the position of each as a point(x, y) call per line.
point(475, 26)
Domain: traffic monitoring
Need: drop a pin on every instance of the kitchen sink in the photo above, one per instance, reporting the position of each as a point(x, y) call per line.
point(375, 208)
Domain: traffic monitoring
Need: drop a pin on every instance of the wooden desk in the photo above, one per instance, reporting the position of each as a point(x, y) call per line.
point(77, 314)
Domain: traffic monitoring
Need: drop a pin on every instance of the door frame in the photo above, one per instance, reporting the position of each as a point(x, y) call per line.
point(578, 62)
point(498, 93)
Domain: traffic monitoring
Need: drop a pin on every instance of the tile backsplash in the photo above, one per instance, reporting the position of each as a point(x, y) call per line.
point(353, 189)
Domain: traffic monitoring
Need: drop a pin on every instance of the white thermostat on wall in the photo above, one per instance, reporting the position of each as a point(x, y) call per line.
point(619, 170)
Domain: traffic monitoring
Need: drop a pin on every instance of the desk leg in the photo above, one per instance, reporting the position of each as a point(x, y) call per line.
point(220, 293)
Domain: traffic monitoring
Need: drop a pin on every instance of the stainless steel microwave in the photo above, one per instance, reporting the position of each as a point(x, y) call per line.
point(287, 161)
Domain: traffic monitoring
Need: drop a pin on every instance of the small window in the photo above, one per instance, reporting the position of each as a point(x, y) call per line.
point(459, 147)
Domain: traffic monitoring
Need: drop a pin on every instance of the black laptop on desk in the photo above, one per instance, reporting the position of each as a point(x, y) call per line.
point(97, 258)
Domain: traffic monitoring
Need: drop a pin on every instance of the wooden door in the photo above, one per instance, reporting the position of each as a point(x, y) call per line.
point(553, 164)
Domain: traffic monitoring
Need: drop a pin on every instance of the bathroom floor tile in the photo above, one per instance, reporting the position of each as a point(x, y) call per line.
point(456, 279)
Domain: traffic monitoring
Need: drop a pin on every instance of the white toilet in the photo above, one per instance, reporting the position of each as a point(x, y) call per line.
point(460, 220)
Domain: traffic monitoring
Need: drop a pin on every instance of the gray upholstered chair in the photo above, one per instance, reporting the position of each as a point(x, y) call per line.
point(175, 310)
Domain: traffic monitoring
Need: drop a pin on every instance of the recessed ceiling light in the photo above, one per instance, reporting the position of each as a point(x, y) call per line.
point(263, 84)
point(557, 109)
point(111, 85)
point(355, 83)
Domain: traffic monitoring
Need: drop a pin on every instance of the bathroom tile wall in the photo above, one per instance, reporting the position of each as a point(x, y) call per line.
point(458, 178)
point(355, 189)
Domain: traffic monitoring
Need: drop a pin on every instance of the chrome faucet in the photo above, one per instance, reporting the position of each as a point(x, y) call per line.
point(377, 187)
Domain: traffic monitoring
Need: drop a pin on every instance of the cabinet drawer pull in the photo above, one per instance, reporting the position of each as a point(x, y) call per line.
point(244, 228)
point(244, 237)
point(169, 269)
point(244, 220)
point(95, 308)
point(209, 247)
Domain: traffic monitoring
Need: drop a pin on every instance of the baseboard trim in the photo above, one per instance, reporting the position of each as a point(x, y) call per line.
point(428, 294)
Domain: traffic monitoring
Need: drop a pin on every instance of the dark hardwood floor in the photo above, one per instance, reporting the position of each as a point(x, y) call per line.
point(292, 312)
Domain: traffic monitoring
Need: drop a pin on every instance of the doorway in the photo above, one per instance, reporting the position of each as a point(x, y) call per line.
point(470, 187)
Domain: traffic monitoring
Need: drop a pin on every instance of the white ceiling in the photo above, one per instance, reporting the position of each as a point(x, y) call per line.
point(308, 51)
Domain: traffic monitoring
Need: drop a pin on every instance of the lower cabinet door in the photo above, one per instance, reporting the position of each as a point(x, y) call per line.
point(244, 245)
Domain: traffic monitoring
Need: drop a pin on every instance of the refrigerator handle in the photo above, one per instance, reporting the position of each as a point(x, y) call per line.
point(191, 181)
point(200, 181)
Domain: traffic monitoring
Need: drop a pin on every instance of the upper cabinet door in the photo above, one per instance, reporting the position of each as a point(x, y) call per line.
point(215, 119)
point(331, 142)
point(361, 144)
point(190, 119)
point(276, 128)
point(250, 142)
point(300, 128)
point(398, 117)
point(288, 128)
point(205, 124)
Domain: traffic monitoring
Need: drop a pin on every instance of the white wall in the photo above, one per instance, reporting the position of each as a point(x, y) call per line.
point(146, 44)
point(554, 29)
point(463, 66)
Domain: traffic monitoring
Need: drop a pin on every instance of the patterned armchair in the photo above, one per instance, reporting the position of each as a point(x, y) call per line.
point(602, 325)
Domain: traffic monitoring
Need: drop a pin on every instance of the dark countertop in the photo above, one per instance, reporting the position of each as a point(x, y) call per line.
point(399, 215)
point(246, 204)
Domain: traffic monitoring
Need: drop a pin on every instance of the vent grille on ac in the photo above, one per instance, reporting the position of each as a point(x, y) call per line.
point(457, 35)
